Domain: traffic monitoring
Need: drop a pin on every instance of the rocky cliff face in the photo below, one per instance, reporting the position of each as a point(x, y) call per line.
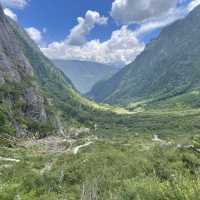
point(35, 97)
point(12, 60)
point(15, 70)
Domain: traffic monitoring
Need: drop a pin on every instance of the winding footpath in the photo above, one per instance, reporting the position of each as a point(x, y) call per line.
point(76, 149)
point(9, 159)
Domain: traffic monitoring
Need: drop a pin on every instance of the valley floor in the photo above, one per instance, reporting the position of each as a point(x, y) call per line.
point(131, 167)
point(152, 155)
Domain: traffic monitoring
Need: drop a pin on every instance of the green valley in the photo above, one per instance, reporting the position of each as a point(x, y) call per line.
point(141, 141)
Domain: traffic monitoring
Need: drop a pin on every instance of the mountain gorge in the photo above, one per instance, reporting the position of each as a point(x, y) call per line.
point(83, 74)
point(168, 70)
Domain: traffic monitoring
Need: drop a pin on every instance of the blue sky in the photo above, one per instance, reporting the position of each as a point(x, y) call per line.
point(58, 18)
point(107, 31)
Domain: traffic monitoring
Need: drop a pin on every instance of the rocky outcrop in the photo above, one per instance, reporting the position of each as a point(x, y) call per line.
point(35, 104)
point(2, 80)
point(13, 62)
point(1, 13)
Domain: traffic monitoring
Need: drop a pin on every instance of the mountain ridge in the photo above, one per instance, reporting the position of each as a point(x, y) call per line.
point(35, 96)
point(85, 74)
point(168, 67)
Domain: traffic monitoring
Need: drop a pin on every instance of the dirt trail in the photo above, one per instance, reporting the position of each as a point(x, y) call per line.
point(9, 159)
point(76, 149)
point(57, 144)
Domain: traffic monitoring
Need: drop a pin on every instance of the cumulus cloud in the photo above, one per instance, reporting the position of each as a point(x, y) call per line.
point(193, 5)
point(167, 18)
point(124, 44)
point(129, 11)
point(10, 14)
point(161, 21)
point(14, 3)
point(78, 34)
point(120, 49)
point(34, 34)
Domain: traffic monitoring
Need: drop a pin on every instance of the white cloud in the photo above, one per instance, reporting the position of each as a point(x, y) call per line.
point(129, 11)
point(167, 18)
point(161, 21)
point(35, 34)
point(123, 46)
point(120, 49)
point(193, 5)
point(14, 3)
point(78, 34)
point(10, 14)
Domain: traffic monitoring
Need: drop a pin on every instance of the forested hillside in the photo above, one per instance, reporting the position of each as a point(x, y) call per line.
point(168, 69)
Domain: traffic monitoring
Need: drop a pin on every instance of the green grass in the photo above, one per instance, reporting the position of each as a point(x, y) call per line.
point(131, 167)
point(163, 122)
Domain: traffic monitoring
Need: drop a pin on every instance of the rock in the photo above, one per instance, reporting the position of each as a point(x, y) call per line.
point(156, 139)
point(35, 104)
point(13, 76)
point(1, 13)
point(2, 80)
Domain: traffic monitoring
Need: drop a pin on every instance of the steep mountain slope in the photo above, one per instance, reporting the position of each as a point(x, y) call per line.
point(168, 67)
point(35, 97)
point(85, 74)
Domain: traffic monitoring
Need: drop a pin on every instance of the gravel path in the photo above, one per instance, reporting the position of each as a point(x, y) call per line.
point(9, 159)
point(76, 149)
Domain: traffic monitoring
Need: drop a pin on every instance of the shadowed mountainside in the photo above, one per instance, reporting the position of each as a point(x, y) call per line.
point(83, 74)
point(167, 70)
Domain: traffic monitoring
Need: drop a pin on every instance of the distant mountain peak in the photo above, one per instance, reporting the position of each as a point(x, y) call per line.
point(84, 74)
